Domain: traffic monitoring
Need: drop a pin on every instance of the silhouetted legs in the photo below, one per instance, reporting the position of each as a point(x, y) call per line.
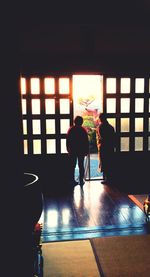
point(72, 161)
point(81, 169)
point(72, 165)
point(107, 164)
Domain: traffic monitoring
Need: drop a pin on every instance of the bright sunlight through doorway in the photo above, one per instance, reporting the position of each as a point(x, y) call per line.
point(88, 103)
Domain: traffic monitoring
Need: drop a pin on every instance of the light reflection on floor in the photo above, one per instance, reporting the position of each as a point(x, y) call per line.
point(93, 210)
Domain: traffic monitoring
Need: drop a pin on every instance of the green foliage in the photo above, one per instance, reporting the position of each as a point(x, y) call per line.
point(89, 124)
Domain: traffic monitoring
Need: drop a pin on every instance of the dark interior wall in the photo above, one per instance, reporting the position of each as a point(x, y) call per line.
point(16, 231)
point(85, 47)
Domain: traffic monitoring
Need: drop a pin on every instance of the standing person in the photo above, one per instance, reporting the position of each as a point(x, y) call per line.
point(106, 145)
point(78, 147)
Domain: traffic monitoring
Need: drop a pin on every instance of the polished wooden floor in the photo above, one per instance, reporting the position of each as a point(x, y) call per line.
point(92, 211)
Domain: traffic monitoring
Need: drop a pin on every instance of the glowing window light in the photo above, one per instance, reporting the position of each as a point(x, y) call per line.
point(36, 126)
point(139, 105)
point(51, 146)
point(52, 218)
point(138, 124)
point(24, 126)
point(49, 85)
point(64, 125)
point(111, 85)
point(23, 85)
point(124, 124)
point(24, 106)
point(65, 216)
point(139, 85)
point(112, 121)
point(149, 85)
point(25, 146)
point(64, 85)
point(35, 106)
point(49, 106)
point(64, 106)
point(36, 146)
point(125, 85)
point(35, 86)
point(63, 146)
point(50, 126)
point(124, 144)
point(125, 105)
point(149, 124)
point(138, 144)
point(111, 105)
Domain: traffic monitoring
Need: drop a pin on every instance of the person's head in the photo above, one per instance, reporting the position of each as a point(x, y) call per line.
point(102, 117)
point(78, 121)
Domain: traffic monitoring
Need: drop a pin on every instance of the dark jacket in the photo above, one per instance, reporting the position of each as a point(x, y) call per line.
point(107, 138)
point(77, 141)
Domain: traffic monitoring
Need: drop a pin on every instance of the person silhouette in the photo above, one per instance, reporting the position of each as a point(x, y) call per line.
point(77, 145)
point(106, 145)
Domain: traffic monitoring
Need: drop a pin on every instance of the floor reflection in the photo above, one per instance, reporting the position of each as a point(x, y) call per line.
point(93, 210)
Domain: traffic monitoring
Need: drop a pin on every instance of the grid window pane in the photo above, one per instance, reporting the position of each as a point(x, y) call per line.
point(23, 85)
point(138, 144)
point(125, 105)
point(64, 125)
point(64, 85)
point(36, 126)
point(25, 145)
point(125, 125)
point(111, 85)
point(49, 85)
point(24, 126)
point(51, 146)
point(139, 85)
point(49, 106)
point(63, 146)
point(36, 146)
point(139, 105)
point(35, 86)
point(149, 85)
point(149, 106)
point(112, 121)
point(111, 105)
point(35, 106)
point(24, 106)
point(124, 145)
point(149, 124)
point(138, 124)
point(50, 126)
point(125, 85)
point(64, 106)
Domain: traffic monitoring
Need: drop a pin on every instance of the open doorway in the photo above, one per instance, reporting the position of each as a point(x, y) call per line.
point(88, 102)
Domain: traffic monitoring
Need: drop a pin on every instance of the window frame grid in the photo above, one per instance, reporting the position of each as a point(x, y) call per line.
point(132, 114)
point(43, 116)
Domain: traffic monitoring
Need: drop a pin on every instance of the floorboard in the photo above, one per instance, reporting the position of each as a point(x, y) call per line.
point(92, 211)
